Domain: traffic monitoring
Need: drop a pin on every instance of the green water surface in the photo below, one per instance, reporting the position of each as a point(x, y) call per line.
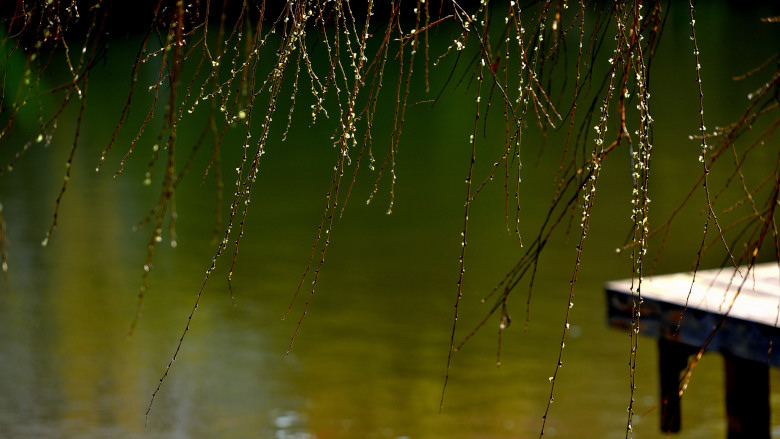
point(370, 358)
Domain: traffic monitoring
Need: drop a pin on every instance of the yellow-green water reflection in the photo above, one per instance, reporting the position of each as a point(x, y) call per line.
point(370, 358)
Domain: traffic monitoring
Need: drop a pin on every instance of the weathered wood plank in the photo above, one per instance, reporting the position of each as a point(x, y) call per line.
point(677, 307)
point(734, 312)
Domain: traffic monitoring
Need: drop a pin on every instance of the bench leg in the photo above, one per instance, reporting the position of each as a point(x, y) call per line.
point(672, 360)
point(747, 398)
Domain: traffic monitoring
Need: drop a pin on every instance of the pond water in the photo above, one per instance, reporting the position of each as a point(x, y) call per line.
point(370, 358)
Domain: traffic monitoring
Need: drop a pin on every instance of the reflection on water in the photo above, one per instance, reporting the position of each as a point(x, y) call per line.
point(369, 360)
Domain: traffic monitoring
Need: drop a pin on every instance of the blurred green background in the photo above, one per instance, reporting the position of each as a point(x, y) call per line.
point(370, 358)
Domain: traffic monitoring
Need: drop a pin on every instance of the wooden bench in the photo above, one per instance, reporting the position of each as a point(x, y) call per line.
point(683, 316)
